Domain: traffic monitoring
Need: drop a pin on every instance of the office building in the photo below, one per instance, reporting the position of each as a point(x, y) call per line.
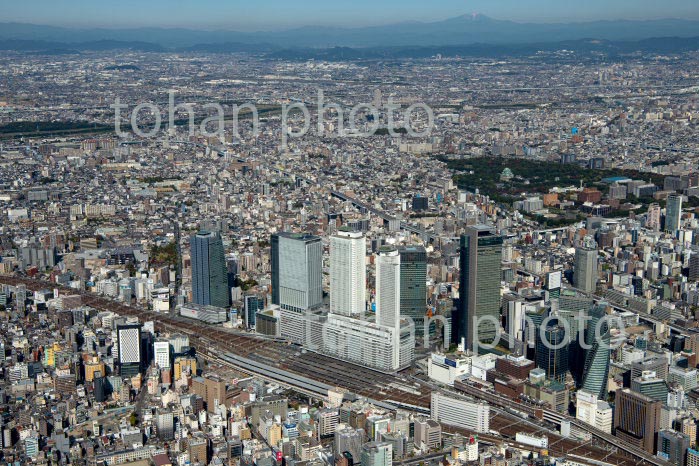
point(129, 349)
point(297, 280)
point(413, 284)
point(472, 415)
point(377, 454)
point(349, 440)
point(165, 424)
point(585, 268)
point(348, 273)
point(209, 272)
point(636, 419)
point(673, 446)
point(552, 351)
point(593, 411)
point(161, 350)
point(650, 385)
point(673, 213)
point(479, 290)
point(428, 434)
point(388, 287)
point(598, 340)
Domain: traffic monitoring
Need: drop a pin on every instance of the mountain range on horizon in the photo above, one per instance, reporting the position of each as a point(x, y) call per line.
point(457, 31)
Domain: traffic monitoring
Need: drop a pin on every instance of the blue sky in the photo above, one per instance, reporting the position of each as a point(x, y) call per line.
point(275, 14)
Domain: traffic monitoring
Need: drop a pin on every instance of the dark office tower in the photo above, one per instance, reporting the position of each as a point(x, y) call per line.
point(694, 267)
point(297, 271)
point(637, 283)
point(129, 349)
point(636, 419)
point(209, 272)
point(253, 303)
point(552, 351)
point(597, 339)
point(100, 387)
point(672, 446)
point(481, 255)
point(413, 284)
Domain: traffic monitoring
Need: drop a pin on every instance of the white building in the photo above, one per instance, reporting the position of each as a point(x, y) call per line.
point(388, 295)
point(161, 350)
point(460, 413)
point(446, 369)
point(348, 273)
point(385, 349)
point(594, 412)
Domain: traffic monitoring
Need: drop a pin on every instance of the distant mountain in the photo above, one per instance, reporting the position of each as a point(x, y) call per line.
point(599, 49)
point(462, 30)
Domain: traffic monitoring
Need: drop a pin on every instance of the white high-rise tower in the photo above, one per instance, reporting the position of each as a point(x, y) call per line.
point(388, 287)
point(347, 273)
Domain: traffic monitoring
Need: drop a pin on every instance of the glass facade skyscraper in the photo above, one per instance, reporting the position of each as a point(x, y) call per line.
point(552, 351)
point(673, 213)
point(598, 339)
point(413, 284)
point(479, 290)
point(209, 272)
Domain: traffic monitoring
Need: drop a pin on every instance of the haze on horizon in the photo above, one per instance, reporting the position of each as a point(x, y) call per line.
point(280, 14)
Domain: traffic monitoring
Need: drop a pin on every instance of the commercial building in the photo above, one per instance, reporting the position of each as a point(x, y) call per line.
point(585, 270)
point(479, 290)
point(413, 285)
point(636, 419)
point(209, 272)
point(297, 261)
point(460, 413)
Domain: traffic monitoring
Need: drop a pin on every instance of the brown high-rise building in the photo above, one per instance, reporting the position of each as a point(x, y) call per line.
point(636, 419)
point(210, 388)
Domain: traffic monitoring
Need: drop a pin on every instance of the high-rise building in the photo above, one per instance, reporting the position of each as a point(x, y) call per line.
point(129, 349)
point(636, 419)
point(377, 454)
point(694, 267)
point(349, 440)
point(413, 284)
point(388, 287)
point(672, 446)
point(585, 271)
point(479, 290)
point(297, 280)
point(161, 350)
point(673, 213)
point(209, 272)
point(552, 351)
point(165, 424)
point(598, 340)
point(692, 457)
point(348, 273)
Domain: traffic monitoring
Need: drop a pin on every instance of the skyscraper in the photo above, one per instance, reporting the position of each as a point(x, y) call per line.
point(585, 271)
point(481, 254)
point(413, 284)
point(673, 213)
point(388, 290)
point(552, 351)
point(597, 339)
point(636, 419)
point(129, 349)
point(348, 273)
point(209, 272)
point(297, 281)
